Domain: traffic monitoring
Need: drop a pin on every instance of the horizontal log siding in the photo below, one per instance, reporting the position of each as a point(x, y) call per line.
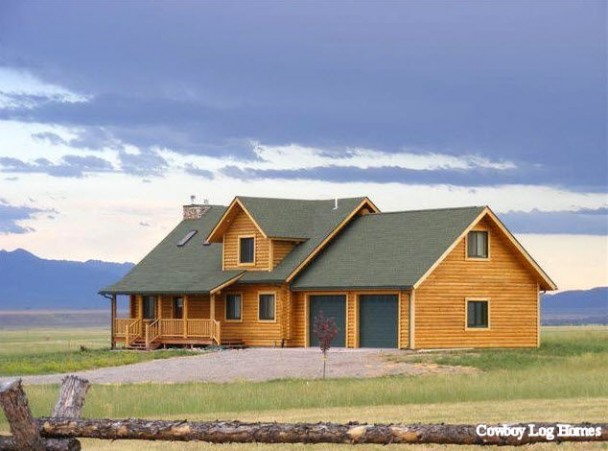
point(404, 319)
point(352, 329)
point(199, 306)
point(298, 319)
point(249, 329)
point(505, 279)
point(166, 307)
point(279, 250)
point(242, 225)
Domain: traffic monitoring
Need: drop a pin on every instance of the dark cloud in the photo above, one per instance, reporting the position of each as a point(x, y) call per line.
point(454, 78)
point(143, 163)
point(580, 222)
point(69, 166)
point(11, 215)
point(195, 170)
point(474, 177)
point(144, 224)
point(49, 137)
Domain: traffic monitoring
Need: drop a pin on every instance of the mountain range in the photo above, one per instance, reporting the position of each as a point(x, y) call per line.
point(28, 282)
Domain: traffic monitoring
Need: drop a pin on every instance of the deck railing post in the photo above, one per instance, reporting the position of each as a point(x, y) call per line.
point(147, 336)
point(113, 331)
point(186, 313)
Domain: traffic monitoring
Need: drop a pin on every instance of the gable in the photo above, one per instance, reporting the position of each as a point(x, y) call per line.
point(234, 210)
point(240, 226)
point(504, 265)
point(487, 220)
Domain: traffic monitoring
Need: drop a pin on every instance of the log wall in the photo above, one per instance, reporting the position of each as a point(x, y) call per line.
point(504, 279)
point(250, 329)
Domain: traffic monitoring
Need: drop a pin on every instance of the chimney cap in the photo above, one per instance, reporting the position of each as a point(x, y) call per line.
point(192, 198)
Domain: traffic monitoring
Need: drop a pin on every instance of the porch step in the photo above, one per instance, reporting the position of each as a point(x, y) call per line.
point(140, 345)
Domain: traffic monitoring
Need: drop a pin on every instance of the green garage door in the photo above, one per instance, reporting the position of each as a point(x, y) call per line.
point(332, 306)
point(378, 321)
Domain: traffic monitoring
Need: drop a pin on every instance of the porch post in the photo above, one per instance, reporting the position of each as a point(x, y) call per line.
point(186, 300)
point(212, 307)
point(140, 310)
point(113, 327)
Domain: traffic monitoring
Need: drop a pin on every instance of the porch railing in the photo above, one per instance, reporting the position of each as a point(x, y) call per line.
point(132, 329)
point(120, 326)
point(153, 332)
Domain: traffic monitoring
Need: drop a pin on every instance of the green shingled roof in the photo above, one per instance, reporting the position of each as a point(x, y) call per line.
point(386, 250)
point(192, 268)
point(195, 268)
point(312, 220)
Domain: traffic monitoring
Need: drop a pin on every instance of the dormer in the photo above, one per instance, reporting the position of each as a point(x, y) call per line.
point(258, 233)
point(244, 244)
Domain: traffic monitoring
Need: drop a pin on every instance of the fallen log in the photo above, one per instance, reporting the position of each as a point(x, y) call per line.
point(351, 433)
point(14, 402)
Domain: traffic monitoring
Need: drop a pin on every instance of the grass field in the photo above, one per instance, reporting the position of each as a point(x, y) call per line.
point(565, 380)
point(46, 351)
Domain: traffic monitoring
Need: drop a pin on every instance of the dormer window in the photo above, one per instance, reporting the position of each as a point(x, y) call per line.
point(247, 250)
point(477, 244)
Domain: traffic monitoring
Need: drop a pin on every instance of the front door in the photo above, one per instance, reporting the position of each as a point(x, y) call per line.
point(332, 306)
point(149, 308)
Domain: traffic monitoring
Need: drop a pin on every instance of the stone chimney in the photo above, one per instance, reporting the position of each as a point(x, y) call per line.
point(195, 211)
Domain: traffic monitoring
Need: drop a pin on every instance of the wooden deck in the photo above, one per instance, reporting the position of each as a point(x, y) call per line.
point(150, 334)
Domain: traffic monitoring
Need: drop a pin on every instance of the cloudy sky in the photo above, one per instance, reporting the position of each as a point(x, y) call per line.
point(113, 114)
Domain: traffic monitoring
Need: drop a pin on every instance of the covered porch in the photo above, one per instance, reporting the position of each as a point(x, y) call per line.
point(161, 320)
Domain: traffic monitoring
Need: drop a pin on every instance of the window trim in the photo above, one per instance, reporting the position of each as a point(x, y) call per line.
point(466, 313)
point(273, 293)
point(239, 237)
point(466, 246)
point(233, 293)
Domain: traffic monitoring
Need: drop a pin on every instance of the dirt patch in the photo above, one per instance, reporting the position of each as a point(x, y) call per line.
point(257, 364)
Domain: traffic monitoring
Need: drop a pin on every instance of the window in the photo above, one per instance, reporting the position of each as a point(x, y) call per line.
point(149, 307)
point(233, 307)
point(186, 238)
point(477, 244)
point(178, 308)
point(246, 250)
point(266, 306)
point(477, 315)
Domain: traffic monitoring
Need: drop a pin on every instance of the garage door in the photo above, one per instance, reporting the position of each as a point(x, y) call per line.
point(378, 321)
point(333, 306)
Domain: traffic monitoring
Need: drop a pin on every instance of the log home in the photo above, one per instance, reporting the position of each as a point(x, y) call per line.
point(258, 271)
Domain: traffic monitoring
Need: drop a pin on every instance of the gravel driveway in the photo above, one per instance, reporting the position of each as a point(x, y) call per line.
point(254, 364)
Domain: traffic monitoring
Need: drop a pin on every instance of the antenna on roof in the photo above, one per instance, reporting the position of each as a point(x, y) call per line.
point(336, 203)
point(192, 198)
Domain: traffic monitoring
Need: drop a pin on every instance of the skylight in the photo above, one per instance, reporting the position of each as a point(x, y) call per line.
point(185, 239)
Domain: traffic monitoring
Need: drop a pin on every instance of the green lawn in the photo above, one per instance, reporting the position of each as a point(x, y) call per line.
point(564, 380)
point(46, 351)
